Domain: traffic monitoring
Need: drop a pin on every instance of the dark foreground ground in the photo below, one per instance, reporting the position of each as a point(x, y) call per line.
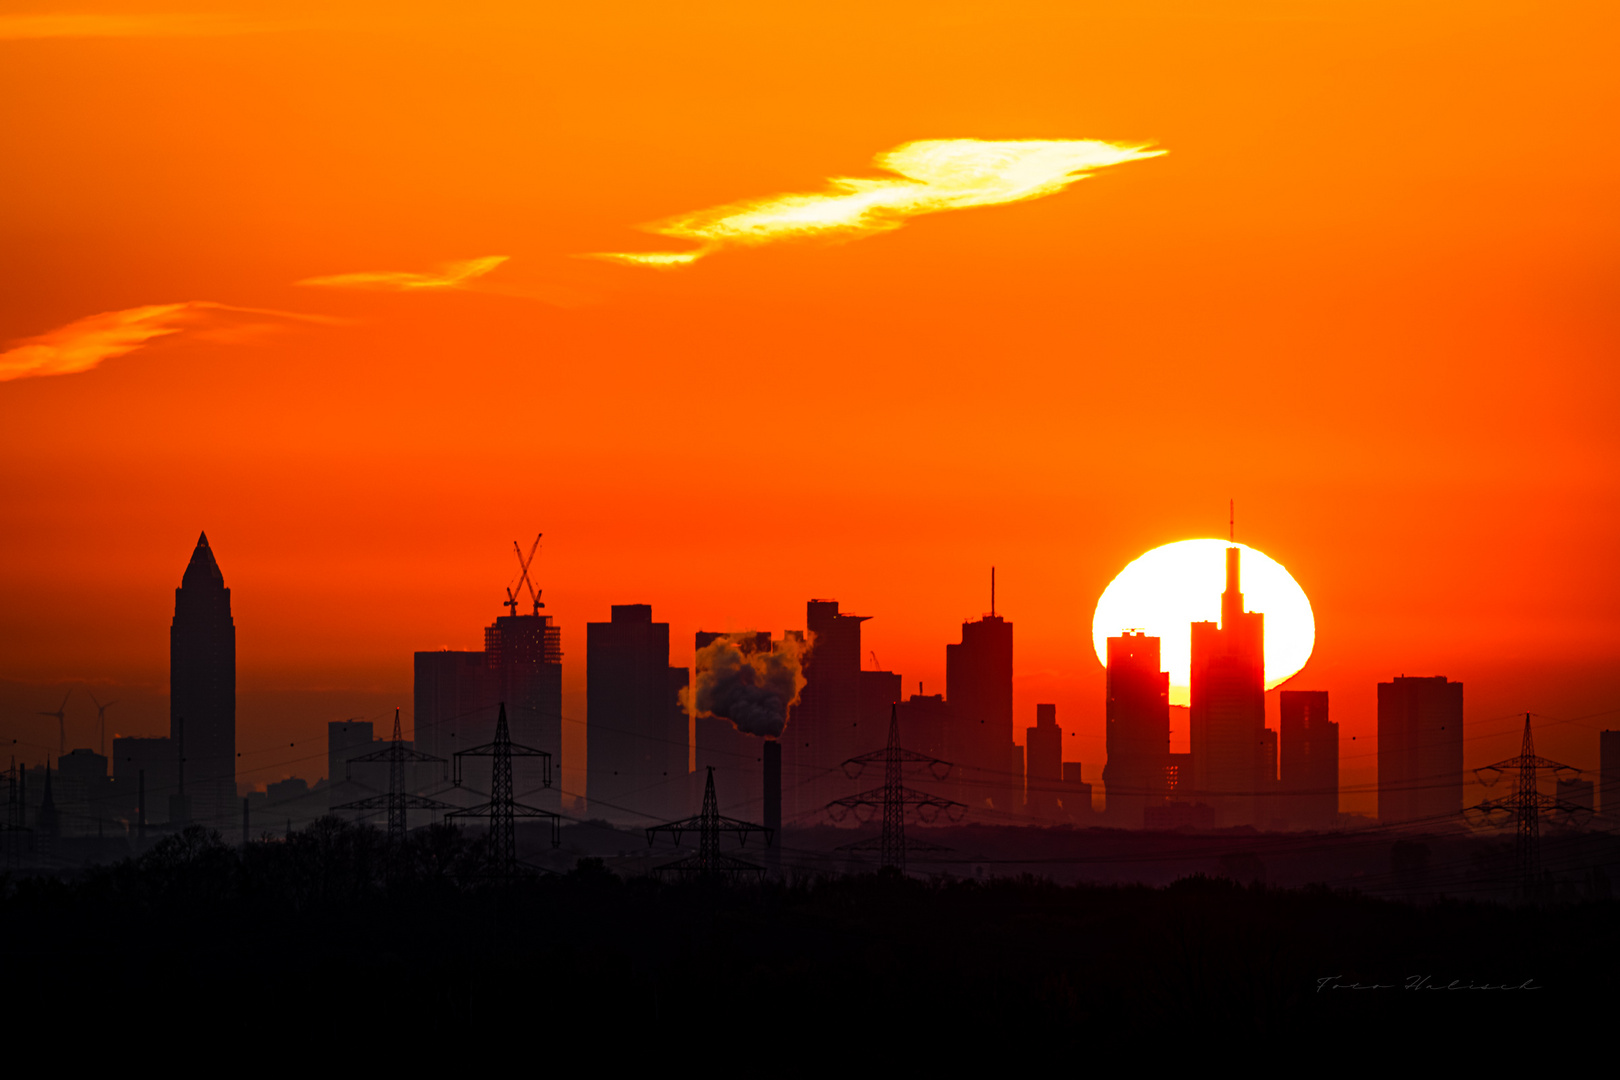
point(326, 927)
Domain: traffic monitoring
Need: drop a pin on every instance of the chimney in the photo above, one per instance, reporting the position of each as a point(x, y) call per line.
point(773, 804)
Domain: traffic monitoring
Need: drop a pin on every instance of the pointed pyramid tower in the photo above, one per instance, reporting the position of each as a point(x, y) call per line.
point(203, 571)
point(202, 687)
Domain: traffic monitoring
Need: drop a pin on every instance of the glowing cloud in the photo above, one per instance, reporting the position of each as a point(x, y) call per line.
point(932, 176)
point(34, 27)
point(84, 343)
point(454, 275)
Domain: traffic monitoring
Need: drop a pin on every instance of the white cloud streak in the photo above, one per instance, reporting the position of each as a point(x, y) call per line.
point(926, 177)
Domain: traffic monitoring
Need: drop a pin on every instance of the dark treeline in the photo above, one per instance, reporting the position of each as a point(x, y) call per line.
point(330, 917)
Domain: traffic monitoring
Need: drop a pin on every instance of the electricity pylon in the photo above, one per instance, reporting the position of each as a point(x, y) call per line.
point(398, 802)
point(503, 809)
point(893, 797)
point(1526, 806)
point(710, 861)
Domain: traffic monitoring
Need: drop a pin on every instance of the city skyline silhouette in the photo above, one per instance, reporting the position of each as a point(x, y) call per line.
point(657, 729)
point(1121, 496)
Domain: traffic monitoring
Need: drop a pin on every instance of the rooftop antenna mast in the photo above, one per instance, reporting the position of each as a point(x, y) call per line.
point(992, 592)
point(1231, 521)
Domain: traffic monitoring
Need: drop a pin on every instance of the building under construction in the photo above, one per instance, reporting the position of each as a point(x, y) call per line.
point(458, 693)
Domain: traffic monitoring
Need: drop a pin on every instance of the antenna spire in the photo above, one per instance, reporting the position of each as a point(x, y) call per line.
point(992, 592)
point(1231, 520)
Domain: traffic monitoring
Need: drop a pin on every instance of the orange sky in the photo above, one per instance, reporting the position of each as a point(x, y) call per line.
point(1368, 292)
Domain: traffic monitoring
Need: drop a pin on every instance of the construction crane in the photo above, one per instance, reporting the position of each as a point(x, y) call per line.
point(511, 601)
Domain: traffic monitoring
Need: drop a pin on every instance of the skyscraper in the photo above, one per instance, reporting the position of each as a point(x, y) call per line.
point(1227, 711)
point(524, 653)
point(1310, 760)
point(1608, 793)
point(458, 695)
point(925, 726)
point(202, 688)
point(1043, 770)
point(635, 728)
point(822, 732)
point(878, 691)
point(978, 686)
point(1420, 757)
point(1138, 732)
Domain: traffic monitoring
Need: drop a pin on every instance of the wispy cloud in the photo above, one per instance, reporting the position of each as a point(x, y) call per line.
point(84, 343)
point(453, 275)
point(930, 177)
point(154, 25)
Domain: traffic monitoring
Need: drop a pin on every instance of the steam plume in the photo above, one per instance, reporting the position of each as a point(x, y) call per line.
point(750, 688)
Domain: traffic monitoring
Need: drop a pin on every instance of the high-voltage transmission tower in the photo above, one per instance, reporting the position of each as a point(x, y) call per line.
point(893, 798)
point(398, 802)
point(710, 861)
point(503, 808)
point(1526, 806)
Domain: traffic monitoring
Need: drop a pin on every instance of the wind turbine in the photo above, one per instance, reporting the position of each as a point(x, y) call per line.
point(61, 718)
point(101, 718)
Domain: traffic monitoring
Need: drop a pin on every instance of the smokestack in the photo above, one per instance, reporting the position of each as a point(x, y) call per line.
point(773, 804)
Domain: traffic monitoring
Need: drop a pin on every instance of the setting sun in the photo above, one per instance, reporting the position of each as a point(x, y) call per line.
point(1178, 584)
